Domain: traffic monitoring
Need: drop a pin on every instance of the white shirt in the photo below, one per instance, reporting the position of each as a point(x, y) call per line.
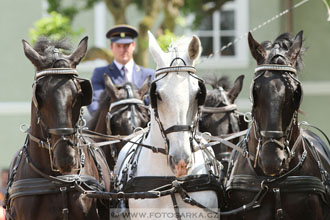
point(129, 66)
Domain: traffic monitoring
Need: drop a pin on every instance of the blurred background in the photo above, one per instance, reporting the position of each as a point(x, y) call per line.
point(217, 23)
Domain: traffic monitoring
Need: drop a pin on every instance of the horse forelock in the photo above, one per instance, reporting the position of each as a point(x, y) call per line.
point(180, 45)
point(45, 47)
point(179, 49)
point(288, 39)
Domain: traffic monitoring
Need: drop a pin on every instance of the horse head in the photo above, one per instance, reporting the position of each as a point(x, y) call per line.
point(276, 95)
point(58, 95)
point(127, 111)
point(175, 96)
point(219, 115)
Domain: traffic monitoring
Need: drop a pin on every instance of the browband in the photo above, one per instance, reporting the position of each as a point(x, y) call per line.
point(276, 67)
point(126, 101)
point(56, 71)
point(176, 69)
point(228, 108)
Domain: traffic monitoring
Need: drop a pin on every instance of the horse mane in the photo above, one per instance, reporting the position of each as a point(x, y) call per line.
point(286, 38)
point(180, 45)
point(103, 101)
point(44, 42)
point(45, 47)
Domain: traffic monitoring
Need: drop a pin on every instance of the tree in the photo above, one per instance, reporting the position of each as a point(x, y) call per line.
point(55, 26)
point(151, 8)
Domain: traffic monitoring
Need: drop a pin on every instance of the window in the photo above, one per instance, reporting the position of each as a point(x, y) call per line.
point(221, 28)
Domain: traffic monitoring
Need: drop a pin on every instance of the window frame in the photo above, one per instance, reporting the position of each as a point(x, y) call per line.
point(240, 59)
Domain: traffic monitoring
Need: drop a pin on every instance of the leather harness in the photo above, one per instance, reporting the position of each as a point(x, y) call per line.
point(48, 184)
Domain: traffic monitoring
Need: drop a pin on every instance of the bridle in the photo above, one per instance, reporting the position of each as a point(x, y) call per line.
point(128, 103)
point(273, 136)
point(83, 87)
point(200, 101)
point(228, 108)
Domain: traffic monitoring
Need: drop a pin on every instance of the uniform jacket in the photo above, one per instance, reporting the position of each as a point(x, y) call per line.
point(139, 76)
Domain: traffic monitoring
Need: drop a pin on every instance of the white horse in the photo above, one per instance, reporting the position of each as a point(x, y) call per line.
point(175, 97)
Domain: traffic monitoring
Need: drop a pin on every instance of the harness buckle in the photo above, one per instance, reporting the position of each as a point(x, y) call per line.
point(120, 195)
point(245, 154)
point(279, 213)
point(154, 149)
point(188, 200)
point(63, 188)
point(263, 185)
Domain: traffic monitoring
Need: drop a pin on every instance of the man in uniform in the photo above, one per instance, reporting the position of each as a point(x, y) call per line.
point(123, 69)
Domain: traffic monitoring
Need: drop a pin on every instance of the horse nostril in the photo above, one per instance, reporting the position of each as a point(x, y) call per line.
point(181, 168)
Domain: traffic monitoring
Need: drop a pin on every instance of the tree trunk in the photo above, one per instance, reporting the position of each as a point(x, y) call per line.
point(171, 11)
point(151, 9)
point(118, 10)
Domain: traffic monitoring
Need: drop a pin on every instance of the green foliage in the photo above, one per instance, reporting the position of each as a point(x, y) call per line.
point(55, 26)
point(69, 11)
point(166, 39)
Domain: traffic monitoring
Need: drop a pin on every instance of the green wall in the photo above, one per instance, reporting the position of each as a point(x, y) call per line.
point(16, 17)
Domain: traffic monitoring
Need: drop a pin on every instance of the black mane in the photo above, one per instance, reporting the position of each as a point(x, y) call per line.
point(104, 100)
point(45, 47)
point(286, 39)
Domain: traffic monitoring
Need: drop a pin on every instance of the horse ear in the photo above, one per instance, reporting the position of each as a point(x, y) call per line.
point(111, 88)
point(145, 87)
point(237, 88)
point(296, 47)
point(31, 54)
point(194, 48)
point(257, 51)
point(156, 52)
point(79, 53)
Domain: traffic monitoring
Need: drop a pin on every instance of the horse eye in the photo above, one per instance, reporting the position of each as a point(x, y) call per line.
point(285, 46)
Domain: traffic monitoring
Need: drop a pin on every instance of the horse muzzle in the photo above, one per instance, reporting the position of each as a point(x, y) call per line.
point(179, 166)
point(65, 157)
point(273, 158)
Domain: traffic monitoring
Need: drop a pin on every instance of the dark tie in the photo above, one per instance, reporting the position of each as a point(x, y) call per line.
point(124, 72)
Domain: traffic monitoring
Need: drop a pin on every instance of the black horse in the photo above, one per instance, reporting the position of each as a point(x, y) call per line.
point(56, 163)
point(121, 111)
point(284, 171)
point(219, 113)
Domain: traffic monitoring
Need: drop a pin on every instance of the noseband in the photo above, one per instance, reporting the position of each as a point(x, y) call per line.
point(200, 99)
point(274, 136)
